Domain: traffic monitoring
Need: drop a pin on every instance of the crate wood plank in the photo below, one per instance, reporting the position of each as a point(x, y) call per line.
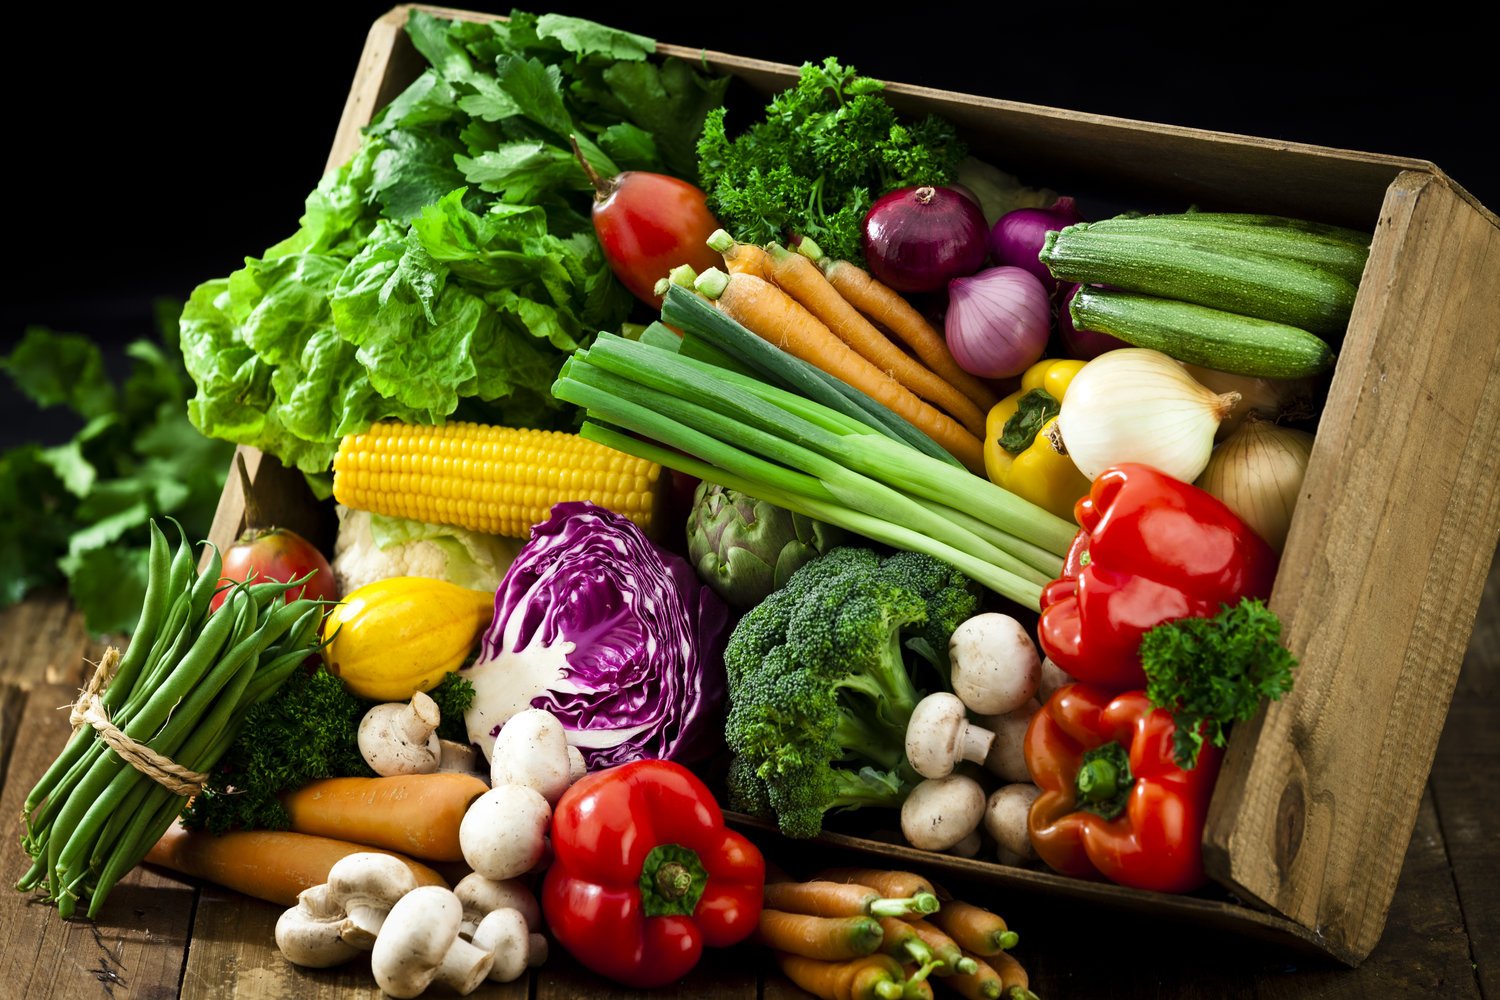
point(43, 641)
point(134, 950)
point(283, 498)
point(1466, 786)
point(1380, 580)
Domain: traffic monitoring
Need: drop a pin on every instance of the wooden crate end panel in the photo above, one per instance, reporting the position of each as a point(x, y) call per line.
point(1381, 579)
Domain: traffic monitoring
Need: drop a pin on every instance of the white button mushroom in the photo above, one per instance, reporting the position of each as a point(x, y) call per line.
point(310, 933)
point(968, 847)
point(939, 736)
point(367, 885)
point(482, 896)
point(401, 739)
point(1053, 677)
point(1005, 819)
point(419, 945)
point(940, 812)
point(504, 935)
point(532, 750)
point(995, 664)
point(1007, 756)
point(460, 758)
point(577, 768)
point(503, 833)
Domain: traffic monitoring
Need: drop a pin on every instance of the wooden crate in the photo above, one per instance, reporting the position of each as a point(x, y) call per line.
point(1393, 535)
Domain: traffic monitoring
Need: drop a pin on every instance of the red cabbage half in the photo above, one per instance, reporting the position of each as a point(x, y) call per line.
point(614, 636)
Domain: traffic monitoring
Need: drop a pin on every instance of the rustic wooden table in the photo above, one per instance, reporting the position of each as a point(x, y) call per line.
point(163, 936)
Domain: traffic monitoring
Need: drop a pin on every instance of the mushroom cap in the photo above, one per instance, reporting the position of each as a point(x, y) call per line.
point(367, 885)
point(532, 750)
point(503, 933)
point(503, 833)
point(934, 734)
point(419, 933)
point(396, 738)
point(308, 934)
point(940, 812)
point(481, 896)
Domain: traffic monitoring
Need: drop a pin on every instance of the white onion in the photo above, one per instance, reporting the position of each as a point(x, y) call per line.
point(1137, 405)
point(1258, 474)
point(997, 322)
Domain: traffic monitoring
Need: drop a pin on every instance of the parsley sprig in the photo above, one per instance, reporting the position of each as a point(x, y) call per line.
point(1212, 672)
point(827, 148)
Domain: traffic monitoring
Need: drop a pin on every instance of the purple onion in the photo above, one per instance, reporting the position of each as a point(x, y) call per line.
point(997, 321)
point(1085, 345)
point(1017, 237)
point(918, 239)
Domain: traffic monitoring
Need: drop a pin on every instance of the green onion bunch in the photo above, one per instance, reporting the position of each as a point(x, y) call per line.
point(779, 446)
point(182, 689)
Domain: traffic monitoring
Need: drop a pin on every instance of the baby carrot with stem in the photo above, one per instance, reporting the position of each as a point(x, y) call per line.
point(945, 949)
point(773, 315)
point(874, 977)
point(741, 258)
point(889, 883)
point(827, 938)
point(822, 898)
point(975, 928)
point(989, 983)
point(902, 943)
point(886, 308)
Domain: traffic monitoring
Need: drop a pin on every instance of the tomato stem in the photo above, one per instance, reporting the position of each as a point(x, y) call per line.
point(253, 520)
point(602, 187)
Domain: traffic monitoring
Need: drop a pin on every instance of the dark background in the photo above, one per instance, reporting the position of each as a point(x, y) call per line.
point(152, 148)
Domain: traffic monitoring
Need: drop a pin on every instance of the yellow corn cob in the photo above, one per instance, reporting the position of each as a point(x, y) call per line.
point(495, 480)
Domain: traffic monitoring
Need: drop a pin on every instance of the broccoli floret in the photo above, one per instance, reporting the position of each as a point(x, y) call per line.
point(819, 691)
point(950, 598)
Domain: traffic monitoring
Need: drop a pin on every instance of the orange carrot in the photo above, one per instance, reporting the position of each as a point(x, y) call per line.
point(874, 977)
point(822, 898)
point(988, 983)
point(890, 883)
point(944, 949)
point(900, 942)
point(827, 938)
point(1015, 984)
point(415, 814)
point(800, 278)
point(775, 317)
point(273, 865)
point(741, 258)
point(886, 308)
point(975, 928)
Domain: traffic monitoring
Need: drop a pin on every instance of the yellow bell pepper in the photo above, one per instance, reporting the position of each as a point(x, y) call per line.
point(1035, 471)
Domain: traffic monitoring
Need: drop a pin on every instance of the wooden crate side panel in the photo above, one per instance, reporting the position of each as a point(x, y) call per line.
point(1380, 580)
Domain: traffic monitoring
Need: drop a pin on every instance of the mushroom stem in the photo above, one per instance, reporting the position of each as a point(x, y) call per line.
point(419, 719)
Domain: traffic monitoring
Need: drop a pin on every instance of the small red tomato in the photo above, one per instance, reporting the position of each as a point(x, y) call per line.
point(267, 554)
point(648, 224)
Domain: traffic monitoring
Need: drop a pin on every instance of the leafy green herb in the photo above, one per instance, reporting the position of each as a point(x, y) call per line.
point(1211, 672)
point(79, 511)
point(448, 268)
point(828, 147)
point(306, 731)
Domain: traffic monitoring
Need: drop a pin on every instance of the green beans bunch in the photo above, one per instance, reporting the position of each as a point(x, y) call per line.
point(182, 688)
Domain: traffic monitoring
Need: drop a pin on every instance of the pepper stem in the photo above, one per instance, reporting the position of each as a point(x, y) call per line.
point(1103, 781)
point(1098, 780)
point(673, 880)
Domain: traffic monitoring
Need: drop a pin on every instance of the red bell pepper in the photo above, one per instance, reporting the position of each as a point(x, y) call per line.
point(1114, 803)
point(1151, 550)
point(645, 874)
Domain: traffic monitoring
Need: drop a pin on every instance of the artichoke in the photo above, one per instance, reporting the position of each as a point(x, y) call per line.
point(745, 548)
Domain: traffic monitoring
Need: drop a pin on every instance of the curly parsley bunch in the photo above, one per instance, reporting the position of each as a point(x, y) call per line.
point(827, 149)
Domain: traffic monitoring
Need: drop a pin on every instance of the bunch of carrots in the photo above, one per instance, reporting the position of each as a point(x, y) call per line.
point(833, 314)
point(867, 934)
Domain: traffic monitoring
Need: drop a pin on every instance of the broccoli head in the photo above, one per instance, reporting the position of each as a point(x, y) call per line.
point(819, 691)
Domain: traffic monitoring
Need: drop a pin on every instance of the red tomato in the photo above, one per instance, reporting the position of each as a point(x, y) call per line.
point(277, 554)
point(649, 223)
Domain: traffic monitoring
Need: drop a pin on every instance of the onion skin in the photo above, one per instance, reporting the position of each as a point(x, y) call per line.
point(997, 322)
point(917, 239)
point(1017, 237)
point(1258, 473)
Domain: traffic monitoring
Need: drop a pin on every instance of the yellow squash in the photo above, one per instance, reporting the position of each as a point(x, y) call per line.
point(392, 638)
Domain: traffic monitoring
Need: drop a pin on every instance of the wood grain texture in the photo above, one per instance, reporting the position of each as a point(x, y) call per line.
point(1466, 787)
point(42, 641)
point(134, 950)
point(1379, 582)
point(721, 974)
point(284, 499)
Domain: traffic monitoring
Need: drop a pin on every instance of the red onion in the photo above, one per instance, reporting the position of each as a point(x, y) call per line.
point(997, 322)
point(1085, 345)
point(918, 239)
point(1017, 237)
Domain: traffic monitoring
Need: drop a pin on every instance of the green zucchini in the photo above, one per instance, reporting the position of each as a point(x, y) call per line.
point(1199, 335)
point(1237, 281)
point(1322, 229)
point(1339, 256)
